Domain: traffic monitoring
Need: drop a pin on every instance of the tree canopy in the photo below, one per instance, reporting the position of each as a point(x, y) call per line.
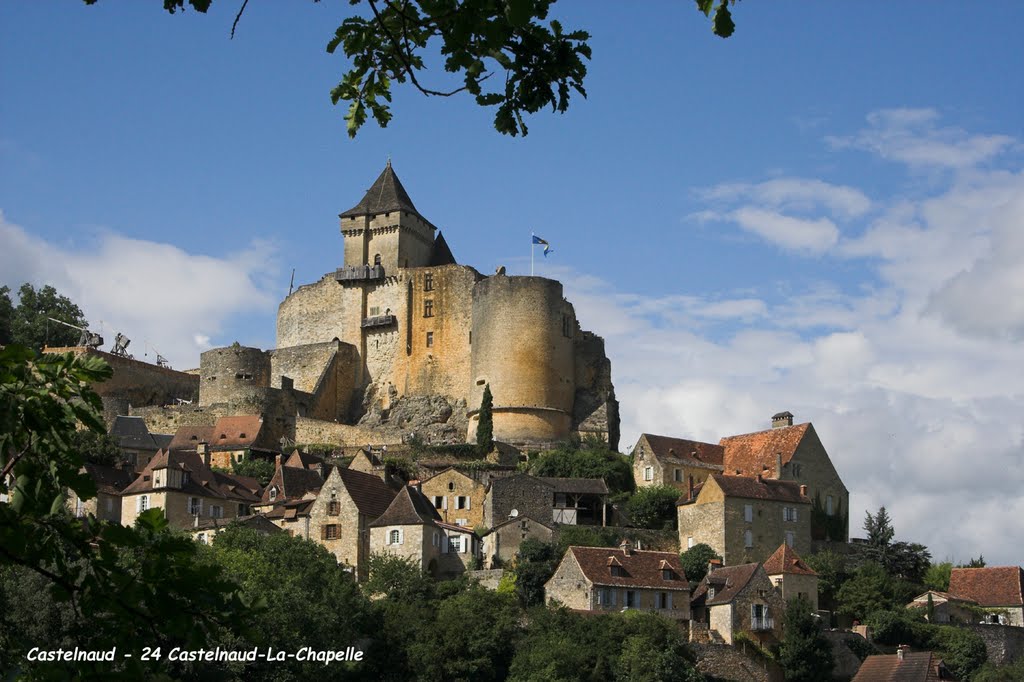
point(590, 459)
point(695, 561)
point(506, 54)
point(805, 654)
point(654, 507)
point(27, 323)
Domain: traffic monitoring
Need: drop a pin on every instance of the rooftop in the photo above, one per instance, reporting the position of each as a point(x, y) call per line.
point(640, 568)
point(995, 586)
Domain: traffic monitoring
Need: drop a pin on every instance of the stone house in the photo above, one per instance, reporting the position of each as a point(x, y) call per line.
point(292, 516)
point(734, 599)
point(458, 498)
point(744, 519)
point(682, 464)
point(206, 530)
point(613, 579)
point(558, 500)
point(368, 463)
point(306, 460)
point(794, 453)
point(501, 544)
point(106, 506)
point(186, 489)
point(289, 483)
point(460, 550)
point(903, 666)
point(945, 608)
point(340, 516)
point(999, 589)
point(791, 576)
point(137, 444)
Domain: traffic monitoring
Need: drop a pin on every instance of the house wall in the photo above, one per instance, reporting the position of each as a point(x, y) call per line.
point(527, 495)
point(175, 506)
point(819, 475)
point(452, 564)
point(793, 584)
point(503, 543)
point(768, 529)
point(568, 586)
point(702, 521)
point(438, 486)
point(352, 544)
point(416, 543)
point(758, 591)
point(720, 619)
point(664, 471)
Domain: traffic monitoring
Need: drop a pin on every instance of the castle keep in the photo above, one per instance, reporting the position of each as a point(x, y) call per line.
point(402, 321)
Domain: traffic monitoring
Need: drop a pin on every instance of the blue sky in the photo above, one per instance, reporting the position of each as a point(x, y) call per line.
point(821, 214)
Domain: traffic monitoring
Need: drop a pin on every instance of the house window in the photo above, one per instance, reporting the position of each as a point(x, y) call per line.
point(110, 504)
point(668, 574)
point(242, 509)
point(828, 505)
point(273, 493)
point(678, 475)
point(455, 544)
point(428, 308)
point(711, 593)
point(461, 522)
point(195, 506)
point(428, 281)
point(790, 536)
point(330, 531)
point(789, 514)
point(439, 502)
point(437, 539)
point(748, 539)
point(394, 537)
point(143, 503)
point(158, 478)
point(629, 599)
point(333, 508)
point(430, 339)
point(796, 470)
point(216, 511)
point(748, 513)
point(648, 473)
point(662, 600)
point(451, 486)
point(606, 598)
point(374, 311)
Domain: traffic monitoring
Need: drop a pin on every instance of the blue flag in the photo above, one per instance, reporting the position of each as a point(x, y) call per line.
point(547, 247)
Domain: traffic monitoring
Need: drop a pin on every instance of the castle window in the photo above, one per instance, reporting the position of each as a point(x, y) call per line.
point(428, 308)
point(241, 435)
point(428, 282)
point(567, 326)
point(430, 339)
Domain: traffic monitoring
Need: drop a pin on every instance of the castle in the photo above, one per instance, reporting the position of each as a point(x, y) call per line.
point(402, 335)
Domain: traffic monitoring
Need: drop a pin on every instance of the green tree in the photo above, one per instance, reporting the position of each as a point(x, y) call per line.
point(832, 574)
point(590, 459)
point(397, 578)
point(97, 448)
point(990, 672)
point(870, 589)
point(253, 467)
point(653, 650)
point(695, 561)
point(937, 576)
point(975, 563)
point(653, 507)
point(805, 654)
point(485, 425)
point(503, 53)
point(534, 565)
point(962, 650)
point(30, 326)
point(6, 316)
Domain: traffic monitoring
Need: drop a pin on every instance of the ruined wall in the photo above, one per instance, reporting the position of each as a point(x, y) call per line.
point(230, 374)
point(138, 383)
point(595, 409)
point(326, 371)
point(1004, 643)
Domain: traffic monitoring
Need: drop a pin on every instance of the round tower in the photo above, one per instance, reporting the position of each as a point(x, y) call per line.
point(522, 347)
point(229, 375)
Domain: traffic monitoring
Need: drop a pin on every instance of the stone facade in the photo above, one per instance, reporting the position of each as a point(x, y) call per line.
point(501, 545)
point(458, 498)
point(745, 602)
point(514, 496)
point(682, 464)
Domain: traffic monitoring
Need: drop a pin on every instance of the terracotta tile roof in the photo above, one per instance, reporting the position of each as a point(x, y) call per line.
point(516, 519)
point(755, 453)
point(577, 486)
point(190, 435)
point(236, 432)
point(203, 482)
point(760, 489)
point(108, 480)
point(292, 483)
point(238, 487)
point(938, 598)
point(642, 568)
point(727, 581)
point(409, 508)
point(689, 452)
point(304, 460)
point(452, 527)
point(290, 509)
point(995, 586)
point(258, 522)
point(920, 666)
point(786, 560)
point(371, 495)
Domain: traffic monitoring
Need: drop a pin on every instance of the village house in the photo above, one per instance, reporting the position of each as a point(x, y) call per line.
point(230, 438)
point(576, 501)
point(290, 482)
point(997, 589)
point(903, 666)
point(744, 519)
point(734, 599)
point(501, 544)
point(791, 576)
point(794, 453)
point(368, 463)
point(106, 506)
point(186, 489)
point(458, 498)
point(613, 579)
point(206, 530)
point(682, 464)
point(137, 444)
point(944, 608)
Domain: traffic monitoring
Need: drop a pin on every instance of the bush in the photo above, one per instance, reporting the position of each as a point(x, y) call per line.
point(654, 507)
point(592, 459)
point(695, 561)
point(962, 650)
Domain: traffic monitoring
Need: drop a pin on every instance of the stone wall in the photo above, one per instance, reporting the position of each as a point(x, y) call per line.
point(1003, 643)
point(723, 662)
point(768, 528)
point(487, 578)
point(228, 374)
point(502, 544)
point(846, 663)
point(595, 409)
point(818, 473)
point(527, 495)
point(447, 488)
point(168, 419)
point(703, 522)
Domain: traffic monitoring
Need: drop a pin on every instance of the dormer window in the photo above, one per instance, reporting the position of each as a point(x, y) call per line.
point(711, 593)
point(223, 436)
point(618, 571)
point(185, 478)
point(273, 493)
point(668, 574)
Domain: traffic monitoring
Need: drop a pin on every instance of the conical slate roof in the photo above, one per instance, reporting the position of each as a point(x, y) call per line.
point(384, 196)
point(441, 254)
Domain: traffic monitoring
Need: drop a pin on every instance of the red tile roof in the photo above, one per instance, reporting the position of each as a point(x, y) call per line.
point(236, 432)
point(727, 581)
point(755, 453)
point(786, 560)
point(995, 586)
point(760, 489)
point(190, 435)
point(920, 666)
point(642, 569)
point(292, 483)
point(691, 452)
point(304, 460)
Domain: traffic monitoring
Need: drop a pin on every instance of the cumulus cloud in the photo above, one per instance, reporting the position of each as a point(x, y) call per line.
point(800, 194)
point(913, 136)
point(155, 293)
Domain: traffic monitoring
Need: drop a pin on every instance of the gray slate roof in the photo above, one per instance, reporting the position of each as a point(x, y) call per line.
point(409, 508)
point(384, 196)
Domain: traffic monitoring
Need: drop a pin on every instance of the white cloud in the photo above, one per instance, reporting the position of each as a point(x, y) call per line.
point(912, 136)
point(794, 194)
point(153, 292)
point(798, 234)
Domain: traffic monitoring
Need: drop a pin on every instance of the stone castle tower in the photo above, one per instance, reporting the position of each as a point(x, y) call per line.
point(400, 318)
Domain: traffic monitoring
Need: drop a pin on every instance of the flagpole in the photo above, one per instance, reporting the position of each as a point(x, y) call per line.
point(531, 254)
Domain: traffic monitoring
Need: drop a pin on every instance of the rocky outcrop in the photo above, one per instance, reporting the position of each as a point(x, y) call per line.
point(433, 418)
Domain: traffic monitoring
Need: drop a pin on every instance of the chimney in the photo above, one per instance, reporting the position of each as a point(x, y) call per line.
point(760, 479)
point(901, 651)
point(714, 564)
point(778, 465)
point(625, 547)
point(691, 488)
point(277, 461)
point(803, 491)
point(203, 450)
point(781, 419)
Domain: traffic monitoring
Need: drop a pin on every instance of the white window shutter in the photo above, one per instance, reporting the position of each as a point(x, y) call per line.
point(138, 504)
point(464, 546)
point(444, 502)
point(794, 513)
point(401, 536)
point(669, 600)
point(468, 502)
